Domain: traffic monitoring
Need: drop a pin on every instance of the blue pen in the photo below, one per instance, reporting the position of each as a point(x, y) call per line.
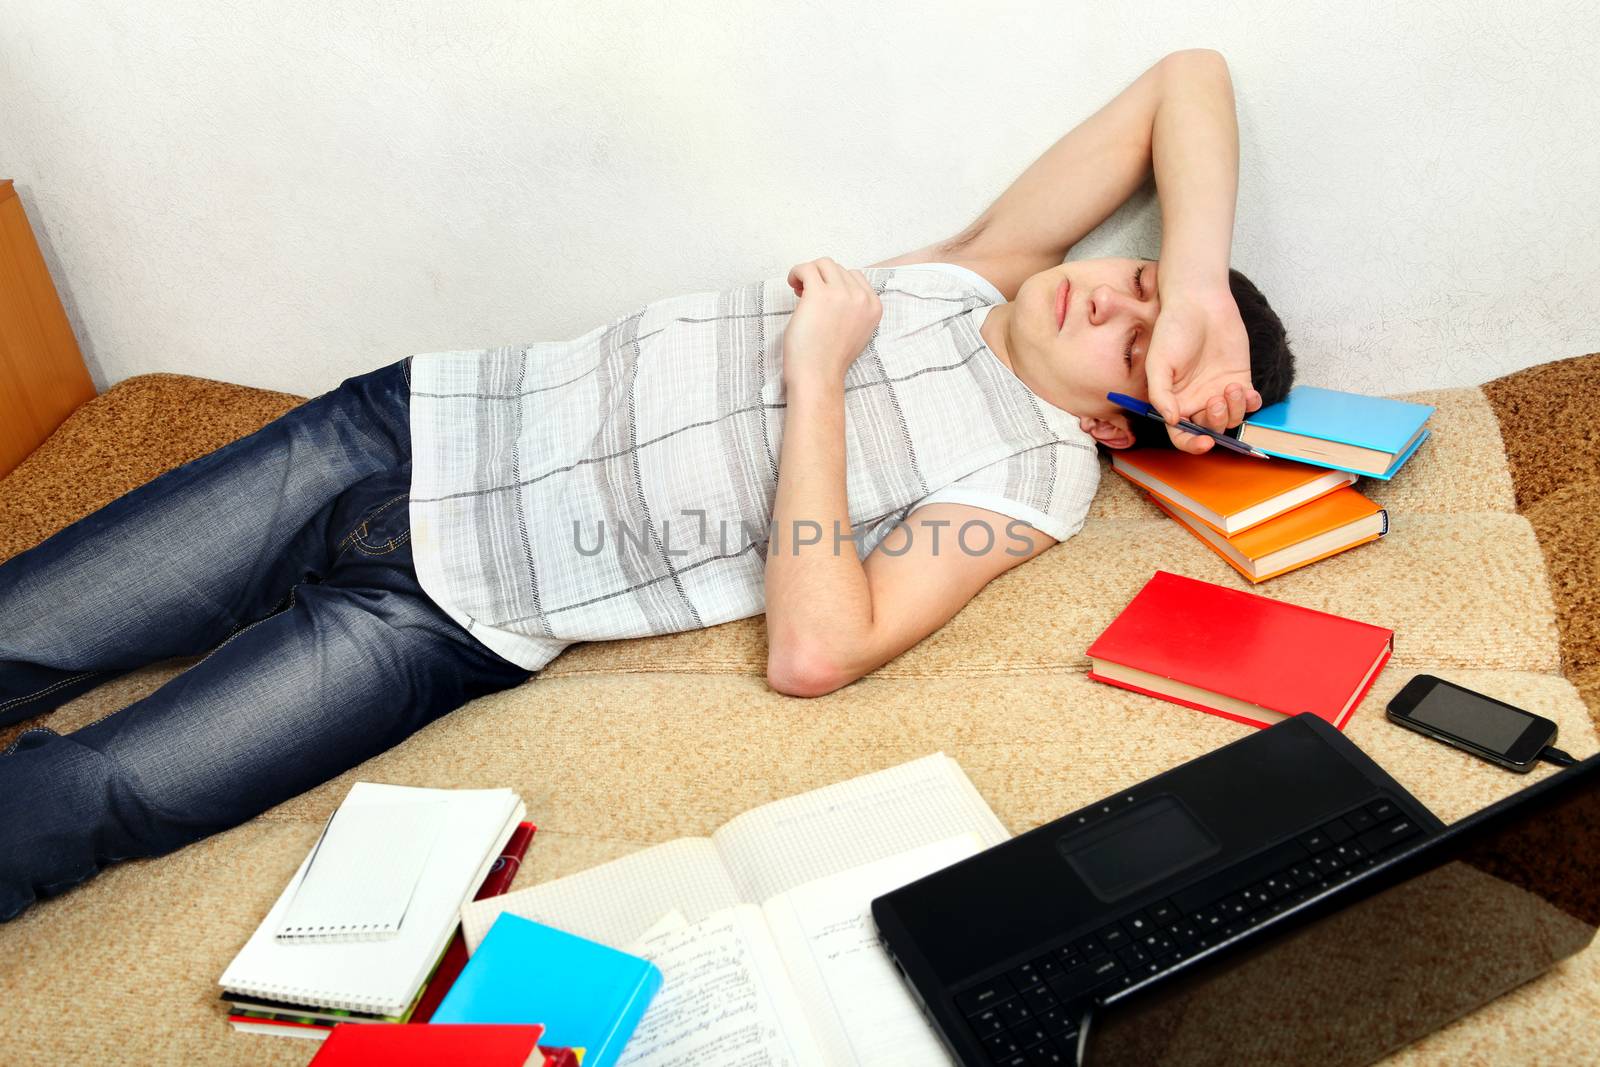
point(1140, 407)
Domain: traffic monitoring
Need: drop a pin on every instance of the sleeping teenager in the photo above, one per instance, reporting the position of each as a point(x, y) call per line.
point(854, 452)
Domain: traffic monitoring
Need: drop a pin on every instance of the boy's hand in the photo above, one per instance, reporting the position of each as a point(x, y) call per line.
point(837, 315)
point(1198, 366)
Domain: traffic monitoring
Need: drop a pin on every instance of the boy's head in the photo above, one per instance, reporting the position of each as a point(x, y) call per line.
point(1271, 361)
point(1111, 306)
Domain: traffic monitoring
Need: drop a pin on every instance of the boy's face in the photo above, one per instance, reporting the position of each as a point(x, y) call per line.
point(1111, 307)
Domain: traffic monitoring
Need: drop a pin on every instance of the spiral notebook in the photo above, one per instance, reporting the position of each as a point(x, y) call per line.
point(382, 976)
point(364, 872)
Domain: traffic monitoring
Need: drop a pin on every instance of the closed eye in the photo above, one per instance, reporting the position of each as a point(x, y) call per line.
point(1138, 288)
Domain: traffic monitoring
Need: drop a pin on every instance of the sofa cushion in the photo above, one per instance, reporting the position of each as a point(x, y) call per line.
point(618, 745)
point(121, 439)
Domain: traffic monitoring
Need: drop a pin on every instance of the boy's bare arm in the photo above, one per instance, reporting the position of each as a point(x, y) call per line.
point(917, 579)
point(1082, 178)
point(1069, 190)
point(1198, 364)
point(815, 588)
point(1195, 155)
point(831, 618)
point(814, 584)
point(1177, 121)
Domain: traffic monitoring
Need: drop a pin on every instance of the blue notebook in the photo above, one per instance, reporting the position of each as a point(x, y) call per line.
point(1368, 435)
point(586, 994)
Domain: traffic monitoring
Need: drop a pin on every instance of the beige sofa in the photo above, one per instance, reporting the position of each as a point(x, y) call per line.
point(1489, 576)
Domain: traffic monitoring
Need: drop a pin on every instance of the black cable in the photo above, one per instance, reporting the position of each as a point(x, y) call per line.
point(1551, 754)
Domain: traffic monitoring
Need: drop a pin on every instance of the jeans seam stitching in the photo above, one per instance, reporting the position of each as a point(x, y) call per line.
point(15, 741)
point(292, 591)
point(362, 547)
point(356, 538)
point(385, 506)
point(47, 689)
point(236, 633)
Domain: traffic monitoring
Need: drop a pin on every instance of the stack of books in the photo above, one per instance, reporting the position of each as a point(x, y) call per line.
point(760, 936)
point(700, 950)
point(1268, 517)
point(368, 928)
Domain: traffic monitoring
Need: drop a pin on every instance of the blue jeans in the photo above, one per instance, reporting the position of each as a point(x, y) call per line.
point(284, 559)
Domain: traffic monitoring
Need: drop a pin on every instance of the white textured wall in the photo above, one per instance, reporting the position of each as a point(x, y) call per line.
point(287, 192)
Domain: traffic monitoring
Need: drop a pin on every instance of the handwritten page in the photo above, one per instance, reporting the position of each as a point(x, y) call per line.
point(857, 1003)
point(672, 920)
point(725, 998)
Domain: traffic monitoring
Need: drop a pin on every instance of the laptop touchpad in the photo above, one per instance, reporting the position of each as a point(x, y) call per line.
point(1137, 847)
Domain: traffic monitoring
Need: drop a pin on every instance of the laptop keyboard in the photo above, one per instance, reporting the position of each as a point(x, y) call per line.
point(1030, 1014)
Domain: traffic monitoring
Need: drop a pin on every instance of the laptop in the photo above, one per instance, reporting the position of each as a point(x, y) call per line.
point(1279, 900)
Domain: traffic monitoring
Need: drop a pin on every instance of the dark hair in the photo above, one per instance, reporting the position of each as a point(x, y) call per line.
point(1271, 361)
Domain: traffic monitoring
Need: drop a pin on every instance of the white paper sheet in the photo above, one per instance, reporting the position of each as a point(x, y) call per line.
point(364, 872)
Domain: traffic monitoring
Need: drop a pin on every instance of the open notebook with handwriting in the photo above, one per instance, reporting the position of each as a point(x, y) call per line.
point(768, 945)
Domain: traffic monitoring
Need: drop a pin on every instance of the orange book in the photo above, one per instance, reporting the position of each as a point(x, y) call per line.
point(1326, 526)
point(1228, 492)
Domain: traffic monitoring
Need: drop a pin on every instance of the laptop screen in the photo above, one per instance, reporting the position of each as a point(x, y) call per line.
point(1388, 957)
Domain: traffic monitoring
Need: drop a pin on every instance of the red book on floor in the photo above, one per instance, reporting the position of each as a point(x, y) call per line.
point(1245, 657)
point(455, 956)
point(400, 1045)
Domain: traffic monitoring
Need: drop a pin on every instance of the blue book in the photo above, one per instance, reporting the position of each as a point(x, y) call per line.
point(1367, 435)
point(586, 994)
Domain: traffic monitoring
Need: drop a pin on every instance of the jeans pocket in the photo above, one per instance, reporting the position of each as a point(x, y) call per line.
point(384, 528)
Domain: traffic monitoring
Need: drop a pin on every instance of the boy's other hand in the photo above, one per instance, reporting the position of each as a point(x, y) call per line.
point(1198, 366)
point(837, 315)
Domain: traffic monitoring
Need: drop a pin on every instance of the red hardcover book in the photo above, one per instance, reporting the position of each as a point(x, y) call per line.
point(455, 956)
point(553, 1056)
point(401, 1045)
point(1245, 657)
